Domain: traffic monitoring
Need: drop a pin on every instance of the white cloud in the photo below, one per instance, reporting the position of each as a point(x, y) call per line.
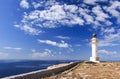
point(100, 15)
point(33, 50)
point(38, 54)
point(113, 36)
point(52, 16)
point(62, 44)
point(63, 37)
point(112, 9)
point(93, 2)
point(56, 14)
point(50, 54)
point(90, 1)
point(36, 5)
point(3, 55)
point(71, 8)
point(29, 29)
point(103, 43)
point(110, 38)
point(47, 50)
point(107, 30)
point(24, 4)
point(46, 53)
point(107, 52)
point(13, 48)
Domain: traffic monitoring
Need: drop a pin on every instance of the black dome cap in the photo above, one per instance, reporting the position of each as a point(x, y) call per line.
point(94, 35)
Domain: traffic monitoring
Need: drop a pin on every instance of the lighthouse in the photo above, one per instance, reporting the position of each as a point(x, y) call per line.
point(94, 43)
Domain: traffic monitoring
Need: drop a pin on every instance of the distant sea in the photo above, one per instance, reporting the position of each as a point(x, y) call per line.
point(15, 67)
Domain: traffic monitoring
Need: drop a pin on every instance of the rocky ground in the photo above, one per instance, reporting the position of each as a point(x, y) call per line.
point(88, 70)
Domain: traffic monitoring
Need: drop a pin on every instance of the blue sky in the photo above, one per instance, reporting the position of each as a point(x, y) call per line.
point(59, 29)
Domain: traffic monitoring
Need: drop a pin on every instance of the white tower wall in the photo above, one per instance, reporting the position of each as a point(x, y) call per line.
point(94, 50)
point(94, 57)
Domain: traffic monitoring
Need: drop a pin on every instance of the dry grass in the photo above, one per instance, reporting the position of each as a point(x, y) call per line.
point(103, 70)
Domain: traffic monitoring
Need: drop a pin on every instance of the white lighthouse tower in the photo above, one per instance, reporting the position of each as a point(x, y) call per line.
point(94, 43)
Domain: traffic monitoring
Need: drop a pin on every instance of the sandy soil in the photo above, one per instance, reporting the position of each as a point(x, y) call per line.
point(102, 70)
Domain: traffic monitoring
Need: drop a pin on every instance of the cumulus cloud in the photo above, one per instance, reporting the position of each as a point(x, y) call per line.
point(63, 37)
point(13, 48)
point(112, 9)
point(107, 52)
point(62, 44)
point(100, 15)
point(56, 14)
point(24, 4)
